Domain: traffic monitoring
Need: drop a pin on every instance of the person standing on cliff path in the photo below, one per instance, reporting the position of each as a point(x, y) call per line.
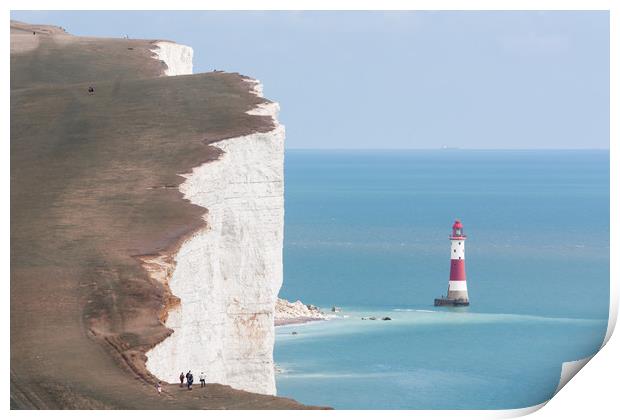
point(181, 377)
point(190, 379)
point(159, 387)
point(202, 379)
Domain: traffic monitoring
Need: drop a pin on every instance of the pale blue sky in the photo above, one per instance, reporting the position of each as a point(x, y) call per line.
point(505, 80)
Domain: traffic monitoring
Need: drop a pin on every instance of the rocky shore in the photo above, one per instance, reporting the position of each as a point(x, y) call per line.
point(288, 313)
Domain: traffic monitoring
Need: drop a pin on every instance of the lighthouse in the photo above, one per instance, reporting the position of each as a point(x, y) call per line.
point(457, 286)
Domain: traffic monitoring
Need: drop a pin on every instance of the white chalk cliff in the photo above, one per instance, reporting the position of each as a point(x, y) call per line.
point(227, 275)
point(179, 58)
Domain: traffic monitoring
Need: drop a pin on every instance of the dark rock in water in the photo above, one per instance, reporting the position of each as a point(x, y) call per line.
point(373, 318)
point(336, 309)
point(363, 319)
point(294, 333)
point(386, 318)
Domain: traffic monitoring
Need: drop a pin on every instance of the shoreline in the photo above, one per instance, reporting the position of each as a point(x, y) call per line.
point(302, 320)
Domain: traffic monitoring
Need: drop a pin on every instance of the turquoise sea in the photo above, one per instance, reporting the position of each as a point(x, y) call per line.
point(368, 231)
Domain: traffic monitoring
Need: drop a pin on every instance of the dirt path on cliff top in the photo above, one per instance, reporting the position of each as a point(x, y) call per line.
point(93, 186)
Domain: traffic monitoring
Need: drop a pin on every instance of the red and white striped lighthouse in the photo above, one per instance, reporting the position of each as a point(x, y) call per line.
point(457, 286)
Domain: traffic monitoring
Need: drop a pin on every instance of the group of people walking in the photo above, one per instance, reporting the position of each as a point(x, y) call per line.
point(189, 378)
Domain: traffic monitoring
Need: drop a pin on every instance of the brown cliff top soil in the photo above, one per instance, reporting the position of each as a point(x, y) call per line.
point(86, 172)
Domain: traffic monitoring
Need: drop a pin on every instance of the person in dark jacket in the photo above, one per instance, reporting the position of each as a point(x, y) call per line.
point(190, 379)
point(181, 377)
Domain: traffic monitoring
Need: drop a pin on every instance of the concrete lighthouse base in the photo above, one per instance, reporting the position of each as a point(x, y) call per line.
point(451, 302)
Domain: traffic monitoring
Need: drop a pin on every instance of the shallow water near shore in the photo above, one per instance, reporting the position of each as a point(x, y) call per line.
point(367, 230)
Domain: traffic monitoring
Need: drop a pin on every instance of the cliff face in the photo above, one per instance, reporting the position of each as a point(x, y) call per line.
point(178, 58)
point(227, 276)
point(99, 227)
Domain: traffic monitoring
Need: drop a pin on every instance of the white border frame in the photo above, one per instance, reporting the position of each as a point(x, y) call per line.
point(596, 385)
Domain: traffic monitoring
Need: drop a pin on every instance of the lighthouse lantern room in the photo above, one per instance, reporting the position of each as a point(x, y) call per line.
point(457, 285)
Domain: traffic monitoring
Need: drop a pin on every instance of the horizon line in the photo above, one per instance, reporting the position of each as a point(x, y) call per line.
point(450, 149)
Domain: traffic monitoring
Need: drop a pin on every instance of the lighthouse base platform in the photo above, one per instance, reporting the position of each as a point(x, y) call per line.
point(451, 302)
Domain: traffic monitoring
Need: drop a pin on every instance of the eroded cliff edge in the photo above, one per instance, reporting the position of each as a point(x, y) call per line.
point(94, 192)
point(227, 275)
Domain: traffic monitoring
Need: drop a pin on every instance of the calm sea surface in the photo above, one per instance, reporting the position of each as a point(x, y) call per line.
point(368, 231)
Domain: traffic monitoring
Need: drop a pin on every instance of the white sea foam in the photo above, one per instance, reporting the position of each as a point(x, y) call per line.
point(412, 310)
point(413, 318)
point(461, 316)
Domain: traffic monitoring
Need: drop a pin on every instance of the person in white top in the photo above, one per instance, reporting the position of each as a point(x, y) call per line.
point(202, 378)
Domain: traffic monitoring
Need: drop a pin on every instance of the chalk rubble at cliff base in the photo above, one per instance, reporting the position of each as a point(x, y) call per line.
point(296, 312)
